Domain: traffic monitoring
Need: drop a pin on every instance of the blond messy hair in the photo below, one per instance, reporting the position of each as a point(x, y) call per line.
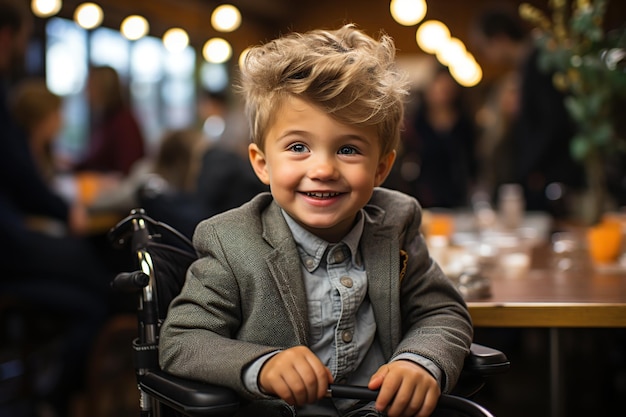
point(348, 74)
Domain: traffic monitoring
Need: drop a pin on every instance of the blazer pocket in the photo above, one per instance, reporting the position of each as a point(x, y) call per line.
point(404, 260)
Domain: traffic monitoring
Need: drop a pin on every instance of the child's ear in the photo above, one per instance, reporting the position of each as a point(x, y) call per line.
point(384, 167)
point(259, 164)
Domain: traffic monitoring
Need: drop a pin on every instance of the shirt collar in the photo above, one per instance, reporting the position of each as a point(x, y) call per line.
point(312, 248)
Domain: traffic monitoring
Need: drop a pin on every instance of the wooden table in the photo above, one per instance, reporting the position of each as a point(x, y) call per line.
point(588, 298)
point(547, 298)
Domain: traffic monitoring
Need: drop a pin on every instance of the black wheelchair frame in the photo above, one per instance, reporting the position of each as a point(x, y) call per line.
point(163, 251)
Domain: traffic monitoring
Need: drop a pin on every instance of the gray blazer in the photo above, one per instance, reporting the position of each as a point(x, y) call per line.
point(245, 297)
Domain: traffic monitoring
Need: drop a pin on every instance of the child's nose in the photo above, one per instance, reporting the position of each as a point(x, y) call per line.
point(323, 168)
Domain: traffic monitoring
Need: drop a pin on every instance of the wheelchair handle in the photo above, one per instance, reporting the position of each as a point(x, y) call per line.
point(130, 281)
point(352, 392)
point(447, 401)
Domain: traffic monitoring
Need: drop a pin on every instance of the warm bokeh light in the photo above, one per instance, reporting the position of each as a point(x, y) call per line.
point(225, 18)
point(217, 50)
point(242, 56)
point(466, 71)
point(45, 8)
point(408, 12)
point(134, 27)
point(451, 51)
point(175, 40)
point(88, 15)
point(431, 35)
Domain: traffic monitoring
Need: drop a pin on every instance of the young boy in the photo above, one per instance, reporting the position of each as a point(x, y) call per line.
point(327, 279)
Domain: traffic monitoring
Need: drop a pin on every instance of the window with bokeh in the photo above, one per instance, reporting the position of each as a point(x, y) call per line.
point(161, 84)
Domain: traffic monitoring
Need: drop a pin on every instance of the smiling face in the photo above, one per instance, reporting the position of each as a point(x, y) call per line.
point(320, 171)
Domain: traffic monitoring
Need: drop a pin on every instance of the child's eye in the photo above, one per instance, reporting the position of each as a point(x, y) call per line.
point(348, 150)
point(298, 148)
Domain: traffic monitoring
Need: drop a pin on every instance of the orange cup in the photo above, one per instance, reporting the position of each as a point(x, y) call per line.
point(439, 224)
point(604, 241)
point(88, 184)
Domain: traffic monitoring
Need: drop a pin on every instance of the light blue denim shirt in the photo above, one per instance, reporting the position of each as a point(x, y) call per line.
point(341, 318)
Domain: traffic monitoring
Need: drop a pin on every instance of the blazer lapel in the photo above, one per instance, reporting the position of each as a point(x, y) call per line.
point(381, 256)
point(284, 266)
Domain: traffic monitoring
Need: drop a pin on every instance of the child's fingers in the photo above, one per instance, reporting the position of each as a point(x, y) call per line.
point(300, 389)
point(277, 384)
point(295, 375)
point(406, 389)
point(377, 379)
point(430, 402)
point(407, 401)
point(388, 390)
point(287, 384)
point(314, 377)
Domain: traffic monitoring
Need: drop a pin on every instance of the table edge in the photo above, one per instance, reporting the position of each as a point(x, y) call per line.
point(547, 314)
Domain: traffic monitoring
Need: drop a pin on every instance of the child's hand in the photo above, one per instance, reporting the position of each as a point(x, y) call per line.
point(406, 389)
point(295, 375)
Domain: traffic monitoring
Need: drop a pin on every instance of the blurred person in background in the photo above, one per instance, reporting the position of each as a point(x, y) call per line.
point(225, 179)
point(38, 111)
point(164, 184)
point(174, 167)
point(437, 163)
point(52, 273)
point(543, 129)
point(194, 174)
point(116, 141)
point(496, 120)
point(222, 177)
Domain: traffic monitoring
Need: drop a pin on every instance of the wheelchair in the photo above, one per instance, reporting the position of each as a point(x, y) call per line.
point(163, 255)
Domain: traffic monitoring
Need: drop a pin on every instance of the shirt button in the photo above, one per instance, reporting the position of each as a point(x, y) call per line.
point(346, 336)
point(346, 282)
point(309, 263)
point(338, 257)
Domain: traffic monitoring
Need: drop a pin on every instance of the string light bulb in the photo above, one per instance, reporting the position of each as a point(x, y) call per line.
point(431, 35)
point(217, 51)
point(408, 12)
point(466, 71)
point(226, 18)
point(45, 8)
point(88, 15)
point(175, 40)
point(242, 56)
point(451, 51)
point(134, 27)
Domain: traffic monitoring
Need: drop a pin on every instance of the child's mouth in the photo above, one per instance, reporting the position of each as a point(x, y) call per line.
point(322, 195)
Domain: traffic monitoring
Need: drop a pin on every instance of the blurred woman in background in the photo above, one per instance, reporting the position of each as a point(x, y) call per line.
point(116, 140)
point(438, 163)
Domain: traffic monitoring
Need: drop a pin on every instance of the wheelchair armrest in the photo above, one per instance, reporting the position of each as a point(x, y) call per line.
point(192, 398)
point(484, 360)
point(197, 399)
point(481, 362)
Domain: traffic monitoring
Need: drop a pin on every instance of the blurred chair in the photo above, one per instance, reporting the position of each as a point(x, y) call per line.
point(163, 255)
point(42, 323)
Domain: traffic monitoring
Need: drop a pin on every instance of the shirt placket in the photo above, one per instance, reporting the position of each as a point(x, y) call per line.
point(345, 300)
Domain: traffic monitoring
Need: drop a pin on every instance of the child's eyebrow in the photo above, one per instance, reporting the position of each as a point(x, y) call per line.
point(285, 135)
point(360, 138)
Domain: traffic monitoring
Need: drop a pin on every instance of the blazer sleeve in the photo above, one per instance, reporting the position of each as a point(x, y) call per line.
point(199, 337)
point(435, 321)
